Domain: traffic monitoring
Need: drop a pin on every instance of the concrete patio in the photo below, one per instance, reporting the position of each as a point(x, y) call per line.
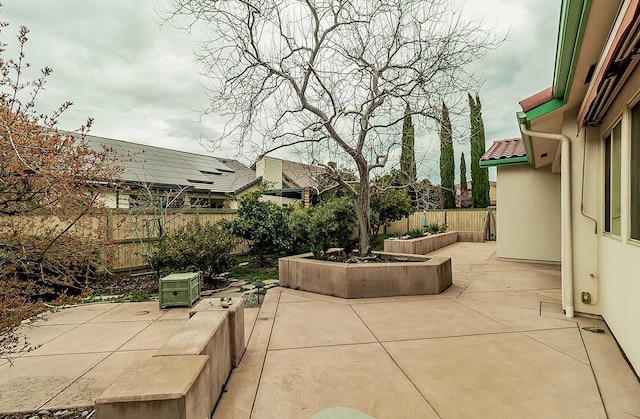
point(495, 344)
point(82, 350)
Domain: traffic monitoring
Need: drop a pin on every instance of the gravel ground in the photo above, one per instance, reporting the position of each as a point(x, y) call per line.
point(79, 413)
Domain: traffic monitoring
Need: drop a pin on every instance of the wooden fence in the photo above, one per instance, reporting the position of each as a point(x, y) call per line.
point(471, 219)
point(133, 233)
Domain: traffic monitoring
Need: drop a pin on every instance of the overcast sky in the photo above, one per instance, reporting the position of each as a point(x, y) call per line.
point(140, 82)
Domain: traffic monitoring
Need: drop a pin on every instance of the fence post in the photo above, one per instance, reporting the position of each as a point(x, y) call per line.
point(487, 233)
point(109, 226)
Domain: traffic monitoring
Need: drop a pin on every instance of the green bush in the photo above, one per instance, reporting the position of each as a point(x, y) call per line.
point(377, 241)
point(263, 224)
point(299, 228)
point(331, 224)
point(388, 204)
point(195, 247)
point(435, 228)
point(415, 233)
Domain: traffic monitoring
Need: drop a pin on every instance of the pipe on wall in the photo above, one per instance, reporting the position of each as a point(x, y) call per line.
point(566, 214)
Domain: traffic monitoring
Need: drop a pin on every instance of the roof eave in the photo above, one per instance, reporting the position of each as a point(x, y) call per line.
point(573, 22)
point(248, 185)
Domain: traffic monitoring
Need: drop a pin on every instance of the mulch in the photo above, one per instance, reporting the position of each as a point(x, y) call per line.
point(124, 283)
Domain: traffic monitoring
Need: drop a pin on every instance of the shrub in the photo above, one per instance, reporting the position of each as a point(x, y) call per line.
point(435, 228)
point(377, 242)
point(331, 223)
point(388, 204)
point(415, 233)
point(200, 247)
point(299, 228)
point(263, 224)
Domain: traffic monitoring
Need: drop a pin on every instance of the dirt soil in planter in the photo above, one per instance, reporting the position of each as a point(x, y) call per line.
point(375, 258)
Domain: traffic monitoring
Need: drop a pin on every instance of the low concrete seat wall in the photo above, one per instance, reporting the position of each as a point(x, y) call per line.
point(428, 244)
point(172, 384)
point(236, 323)
point(206, 333)
point(159, 387)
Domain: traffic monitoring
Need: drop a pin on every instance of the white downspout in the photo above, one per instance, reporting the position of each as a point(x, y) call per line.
point(566, 214)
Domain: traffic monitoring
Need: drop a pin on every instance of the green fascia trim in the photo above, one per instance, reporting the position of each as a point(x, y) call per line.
point(504, 162)
point(573, 21)
point(545, 108)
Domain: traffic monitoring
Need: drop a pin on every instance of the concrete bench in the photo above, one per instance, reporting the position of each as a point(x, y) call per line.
point(236, 323)
point(186, 376)
point(159, 388)
point(206, 333)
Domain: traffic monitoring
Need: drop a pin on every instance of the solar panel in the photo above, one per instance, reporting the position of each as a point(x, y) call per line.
point(155, 165)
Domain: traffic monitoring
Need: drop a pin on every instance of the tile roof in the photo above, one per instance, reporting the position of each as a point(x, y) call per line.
point(163, 167)
point(505, 149)
point(537, 99)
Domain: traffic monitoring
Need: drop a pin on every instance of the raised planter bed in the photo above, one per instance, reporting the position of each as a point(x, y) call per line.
point(427, 244)
point(421, 276)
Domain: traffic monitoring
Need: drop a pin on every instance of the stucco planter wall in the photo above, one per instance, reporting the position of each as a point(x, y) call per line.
point(421, 245)
point(427, 276)
point(427, 244)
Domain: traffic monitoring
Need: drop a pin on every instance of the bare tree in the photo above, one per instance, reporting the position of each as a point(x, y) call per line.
point(336, 74)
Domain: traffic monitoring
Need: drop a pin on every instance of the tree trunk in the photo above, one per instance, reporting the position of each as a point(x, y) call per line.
point(363, 211)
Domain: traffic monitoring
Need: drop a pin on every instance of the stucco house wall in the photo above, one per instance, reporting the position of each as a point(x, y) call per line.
point(529, 222)
point(616, 281)
point(596, 85)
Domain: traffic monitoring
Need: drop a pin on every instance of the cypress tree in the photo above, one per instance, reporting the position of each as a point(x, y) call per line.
point(479, 175)
point(464, 192)
point(447, 164)
point(407, 155)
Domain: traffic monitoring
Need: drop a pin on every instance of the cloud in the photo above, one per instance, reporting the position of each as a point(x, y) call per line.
point(140, 82)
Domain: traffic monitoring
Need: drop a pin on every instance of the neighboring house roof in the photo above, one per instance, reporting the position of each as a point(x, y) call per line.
point(300, 175)
point(165, 168)
point(504, 152)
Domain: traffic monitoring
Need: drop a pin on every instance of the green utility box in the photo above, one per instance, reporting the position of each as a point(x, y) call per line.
point(179, 290)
